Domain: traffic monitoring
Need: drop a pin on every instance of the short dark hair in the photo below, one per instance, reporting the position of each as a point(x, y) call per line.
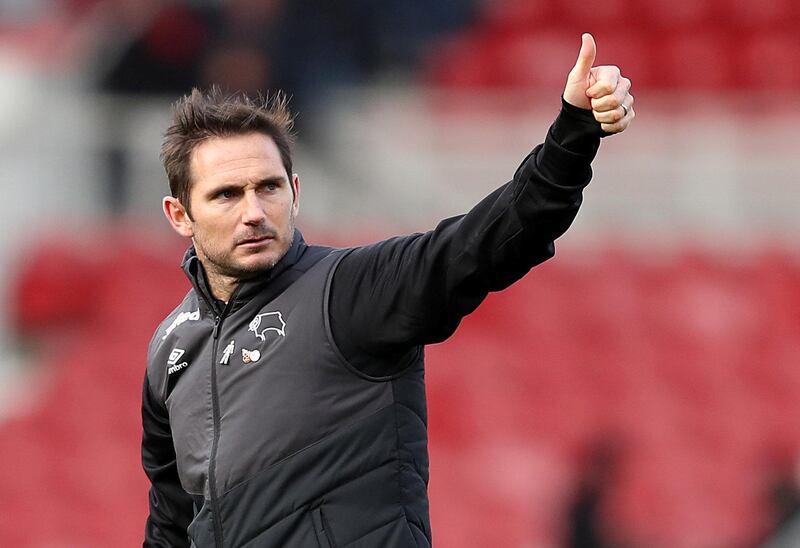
point(201, 115)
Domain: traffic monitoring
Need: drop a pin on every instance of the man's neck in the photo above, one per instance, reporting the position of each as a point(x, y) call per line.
point(222, 287)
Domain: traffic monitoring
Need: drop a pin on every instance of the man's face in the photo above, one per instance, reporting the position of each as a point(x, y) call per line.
point(242, 203)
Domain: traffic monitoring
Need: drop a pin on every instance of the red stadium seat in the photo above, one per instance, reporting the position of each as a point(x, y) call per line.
point(704, 45)
point(770, 60)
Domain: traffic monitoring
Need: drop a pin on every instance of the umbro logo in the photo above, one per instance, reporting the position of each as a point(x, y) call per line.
point(172, 361)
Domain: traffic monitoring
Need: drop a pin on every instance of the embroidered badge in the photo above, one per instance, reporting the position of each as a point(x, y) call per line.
point(250, 356)
point(227, 353)
point(268, 321)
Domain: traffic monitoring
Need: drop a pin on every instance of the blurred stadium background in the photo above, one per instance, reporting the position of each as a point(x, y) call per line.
point(642, 389)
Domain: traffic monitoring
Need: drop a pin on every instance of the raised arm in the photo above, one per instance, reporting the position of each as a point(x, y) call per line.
point(408, 291)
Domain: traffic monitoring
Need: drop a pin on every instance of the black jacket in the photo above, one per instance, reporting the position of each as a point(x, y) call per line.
point(295, 415)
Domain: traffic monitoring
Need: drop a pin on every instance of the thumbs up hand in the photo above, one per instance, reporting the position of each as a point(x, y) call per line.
point(603, 90)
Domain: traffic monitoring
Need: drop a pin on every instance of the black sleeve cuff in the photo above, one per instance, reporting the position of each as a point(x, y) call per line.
point(576, 130)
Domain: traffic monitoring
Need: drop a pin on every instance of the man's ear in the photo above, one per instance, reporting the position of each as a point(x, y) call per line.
point(296, 193)
point(177, 216)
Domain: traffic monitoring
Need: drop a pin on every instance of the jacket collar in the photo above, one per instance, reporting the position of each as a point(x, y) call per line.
point(196, 273)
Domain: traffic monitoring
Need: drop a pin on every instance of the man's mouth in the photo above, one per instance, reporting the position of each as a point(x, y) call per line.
point(255, 241)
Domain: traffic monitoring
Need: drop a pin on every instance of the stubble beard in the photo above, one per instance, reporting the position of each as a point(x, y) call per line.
point(222, 265)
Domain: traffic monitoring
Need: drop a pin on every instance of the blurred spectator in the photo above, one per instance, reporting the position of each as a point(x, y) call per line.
point(596, 480)
point(782, 493)
point(304, 47)
point(169, 46)
point(241, 54)
point(163, 44)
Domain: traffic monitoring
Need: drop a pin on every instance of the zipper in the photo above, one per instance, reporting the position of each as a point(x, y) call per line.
point(212, 490)
point(215, 417)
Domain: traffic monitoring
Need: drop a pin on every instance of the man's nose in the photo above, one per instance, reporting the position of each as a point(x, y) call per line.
point(253, 210)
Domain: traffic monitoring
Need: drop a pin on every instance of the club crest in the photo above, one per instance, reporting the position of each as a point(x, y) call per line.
point(267, 321)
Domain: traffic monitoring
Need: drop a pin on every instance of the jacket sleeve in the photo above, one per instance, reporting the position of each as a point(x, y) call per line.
point(171, 508)
point(392, 296)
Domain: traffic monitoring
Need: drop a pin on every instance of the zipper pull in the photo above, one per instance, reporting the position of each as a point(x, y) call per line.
point(215, 333)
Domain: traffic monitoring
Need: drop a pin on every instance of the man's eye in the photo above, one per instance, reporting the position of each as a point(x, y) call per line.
point(226, 194)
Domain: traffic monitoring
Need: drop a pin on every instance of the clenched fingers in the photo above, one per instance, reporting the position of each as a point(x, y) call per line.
point(605, 80)
point(613, 110)
point(614, 99)
point(621, 124)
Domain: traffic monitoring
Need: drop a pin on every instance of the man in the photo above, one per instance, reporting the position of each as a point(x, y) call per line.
point(284, 401)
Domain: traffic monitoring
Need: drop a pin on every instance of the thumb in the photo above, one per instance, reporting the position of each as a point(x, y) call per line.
point(585, 57)
point(578, 78)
